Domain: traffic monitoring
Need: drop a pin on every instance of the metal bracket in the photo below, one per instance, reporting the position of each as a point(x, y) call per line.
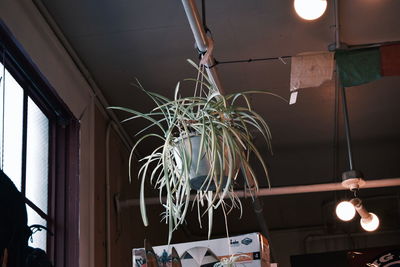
point(353, 180)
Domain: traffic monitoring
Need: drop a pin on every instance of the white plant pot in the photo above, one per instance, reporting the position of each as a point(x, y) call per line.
point(199, 170)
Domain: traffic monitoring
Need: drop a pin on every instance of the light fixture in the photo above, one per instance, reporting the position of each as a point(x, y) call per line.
point(369, 221)
point(345, 211)
point(353, 180)
point(310, 9)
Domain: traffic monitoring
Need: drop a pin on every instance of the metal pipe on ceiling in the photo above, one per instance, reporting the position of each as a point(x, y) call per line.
point(337, 24)
point(204, 45)
point(195, 24)
point(202, 41)
point(336, 99)
point(264, 229)
point(285, 190)
point(347, 127)
point(338, 85)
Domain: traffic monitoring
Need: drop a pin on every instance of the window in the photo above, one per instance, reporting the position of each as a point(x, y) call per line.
point(39, 151)
point(24, 146)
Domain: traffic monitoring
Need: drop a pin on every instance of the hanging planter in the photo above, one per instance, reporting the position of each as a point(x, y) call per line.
point(203, 176)
point(205, 140)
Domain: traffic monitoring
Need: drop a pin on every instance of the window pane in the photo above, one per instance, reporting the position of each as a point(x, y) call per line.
point(37, 156)
point(39, 239)
point(12, 127)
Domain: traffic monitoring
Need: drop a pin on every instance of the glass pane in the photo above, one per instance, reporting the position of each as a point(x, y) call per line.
point(37, 156)
point(12, 127)
point(39, 239)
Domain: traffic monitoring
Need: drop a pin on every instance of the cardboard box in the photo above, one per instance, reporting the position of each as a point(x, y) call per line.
point(250, 250)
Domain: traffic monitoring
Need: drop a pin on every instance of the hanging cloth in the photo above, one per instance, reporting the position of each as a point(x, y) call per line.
point(310, 70)
point(390, 60)
point(358, 66)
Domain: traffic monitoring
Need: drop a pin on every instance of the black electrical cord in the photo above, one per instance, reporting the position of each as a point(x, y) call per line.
point(203, 16)
point(205, 27)
point(283, 57)
point(248, 60)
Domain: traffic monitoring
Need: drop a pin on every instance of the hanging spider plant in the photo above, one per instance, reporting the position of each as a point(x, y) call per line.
point(206, 140)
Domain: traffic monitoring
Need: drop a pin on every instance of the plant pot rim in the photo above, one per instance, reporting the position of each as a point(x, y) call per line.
point(185, 136)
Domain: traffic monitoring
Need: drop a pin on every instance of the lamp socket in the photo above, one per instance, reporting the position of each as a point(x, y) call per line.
point(352, 179)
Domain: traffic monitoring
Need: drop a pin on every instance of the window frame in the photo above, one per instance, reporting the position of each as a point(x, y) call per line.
point(63, 174)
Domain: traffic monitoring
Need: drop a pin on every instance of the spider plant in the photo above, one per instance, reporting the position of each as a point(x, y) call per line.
point(206, 133)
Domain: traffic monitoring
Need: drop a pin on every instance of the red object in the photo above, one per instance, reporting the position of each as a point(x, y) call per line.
point(390, 60)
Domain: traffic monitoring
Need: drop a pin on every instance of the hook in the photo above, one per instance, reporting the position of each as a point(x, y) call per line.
point(355, 192)
point(282, 60)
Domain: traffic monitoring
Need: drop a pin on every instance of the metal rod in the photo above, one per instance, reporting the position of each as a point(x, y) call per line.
point(202, 43)
point(337, 24)
point(337, 95)
point(213, 75)
point(110, 126)
point(259, 211)
point(347, 128)
point(338, 85)
point(286, 190)
point(195, 24)
point(361, 210)
point(203, 46)
point(336, 126)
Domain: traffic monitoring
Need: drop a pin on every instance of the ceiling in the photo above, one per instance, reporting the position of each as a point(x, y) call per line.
point(151, 40)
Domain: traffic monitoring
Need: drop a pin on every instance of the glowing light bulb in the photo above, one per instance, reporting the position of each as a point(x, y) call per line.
point(371, 223)
point(310, 9)
point(345, 211)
